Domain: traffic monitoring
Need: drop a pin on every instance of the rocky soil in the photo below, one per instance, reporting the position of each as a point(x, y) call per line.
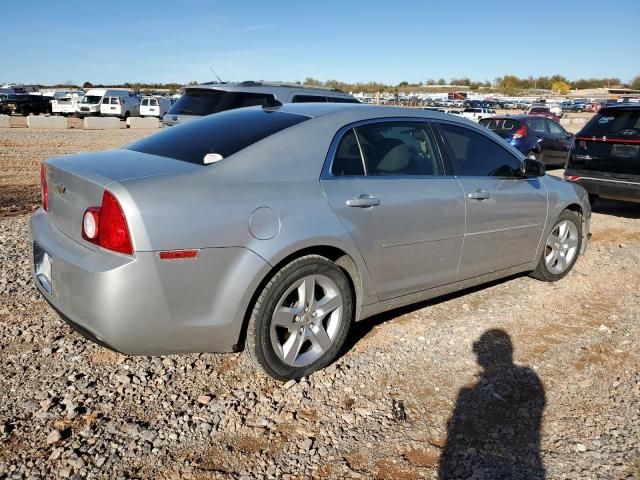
point(406, 399)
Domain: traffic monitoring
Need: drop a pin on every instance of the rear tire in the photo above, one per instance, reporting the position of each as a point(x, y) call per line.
point(301, 319)
point(561, 249)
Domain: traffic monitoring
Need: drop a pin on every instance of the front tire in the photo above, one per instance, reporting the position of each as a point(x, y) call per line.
point(561, 249)
point(301, 318)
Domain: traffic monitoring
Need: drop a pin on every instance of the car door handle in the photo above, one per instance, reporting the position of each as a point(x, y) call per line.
point(478, 195)
point(363, 201)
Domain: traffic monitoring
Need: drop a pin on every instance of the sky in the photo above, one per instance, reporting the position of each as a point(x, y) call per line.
point(47, 42)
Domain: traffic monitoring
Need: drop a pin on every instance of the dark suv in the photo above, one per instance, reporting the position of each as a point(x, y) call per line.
point(535, 136)
point(606, 157)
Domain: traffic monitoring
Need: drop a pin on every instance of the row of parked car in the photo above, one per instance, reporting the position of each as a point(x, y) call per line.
point(97, 101)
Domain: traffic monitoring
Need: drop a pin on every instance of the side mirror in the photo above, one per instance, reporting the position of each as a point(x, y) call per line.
point(533, 168)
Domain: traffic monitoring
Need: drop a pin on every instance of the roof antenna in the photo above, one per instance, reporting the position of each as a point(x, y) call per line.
point(215, 74)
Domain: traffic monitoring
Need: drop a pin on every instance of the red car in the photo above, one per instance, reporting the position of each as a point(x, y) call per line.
point(544, 112)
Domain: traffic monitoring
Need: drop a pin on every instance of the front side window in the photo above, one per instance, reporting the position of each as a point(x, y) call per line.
point(475, 155)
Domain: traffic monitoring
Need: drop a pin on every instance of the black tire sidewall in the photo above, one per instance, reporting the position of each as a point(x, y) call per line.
point(264, 350)
point(573, 217)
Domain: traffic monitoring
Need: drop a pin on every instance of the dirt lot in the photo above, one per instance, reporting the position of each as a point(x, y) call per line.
point(406, 399)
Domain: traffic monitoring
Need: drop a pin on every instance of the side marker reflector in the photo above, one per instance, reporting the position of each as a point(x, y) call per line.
point(177, 254)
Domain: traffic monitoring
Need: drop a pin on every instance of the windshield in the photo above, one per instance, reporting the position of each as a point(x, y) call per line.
point(92, 99)
point(225, 134)
point(620, 123)
point(205, 102)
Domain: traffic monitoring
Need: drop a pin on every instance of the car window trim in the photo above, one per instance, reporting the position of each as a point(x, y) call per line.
point(436, 126)
point(326, 173)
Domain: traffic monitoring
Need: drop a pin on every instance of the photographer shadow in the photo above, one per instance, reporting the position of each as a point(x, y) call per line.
point(494, 431)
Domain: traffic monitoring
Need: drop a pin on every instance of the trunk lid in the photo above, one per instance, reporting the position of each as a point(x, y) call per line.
point(77, 182)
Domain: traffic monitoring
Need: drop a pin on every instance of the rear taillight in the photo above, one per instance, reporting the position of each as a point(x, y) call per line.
point(106, 226)
point(45, 187)
point(521, 132)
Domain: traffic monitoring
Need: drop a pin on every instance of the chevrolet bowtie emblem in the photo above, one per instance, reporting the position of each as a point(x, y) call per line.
point(61, 189)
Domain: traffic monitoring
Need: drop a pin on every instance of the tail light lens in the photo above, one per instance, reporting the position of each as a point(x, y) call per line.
point(521, 132)
point(107, 226)
point(571, 178)
point(45, 187)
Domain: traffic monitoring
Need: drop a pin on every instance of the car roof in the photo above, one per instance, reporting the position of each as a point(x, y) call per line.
point(362, 111)
point(621, 106)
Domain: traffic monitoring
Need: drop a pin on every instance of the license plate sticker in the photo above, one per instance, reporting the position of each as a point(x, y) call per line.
point(625, 150)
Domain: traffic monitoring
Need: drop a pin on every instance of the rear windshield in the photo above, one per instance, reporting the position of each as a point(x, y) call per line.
point(621, 123)
point(205, 102)
point(225, 133)
point(500, 125)
point(539, 110)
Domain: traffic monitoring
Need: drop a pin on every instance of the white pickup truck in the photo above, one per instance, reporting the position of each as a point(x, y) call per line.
point(66, 104)
point(477, 114)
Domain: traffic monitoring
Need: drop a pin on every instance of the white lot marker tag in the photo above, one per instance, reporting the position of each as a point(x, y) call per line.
point(212, 158)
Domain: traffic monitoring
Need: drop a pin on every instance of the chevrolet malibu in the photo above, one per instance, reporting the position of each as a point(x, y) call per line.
point(273, 229)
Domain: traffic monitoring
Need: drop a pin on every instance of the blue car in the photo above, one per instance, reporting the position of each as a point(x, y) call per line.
point(536, 137)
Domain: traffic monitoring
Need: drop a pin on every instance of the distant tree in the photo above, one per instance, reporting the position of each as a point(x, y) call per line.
point(442, 81)
point(87, 85)
point(560, 87)
point(635, 83)
point(312, 81)
point(431, 81)
point(509, 85)
point(403, 84)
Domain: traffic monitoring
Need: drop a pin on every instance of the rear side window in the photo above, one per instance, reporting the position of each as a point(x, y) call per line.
point(308, 99)
point(342, 100)
point(208, 101)
point(224, 134)
point(475, 155)
point(612, 122)
point(537, 125)
point(347, 160)
point(399, 148)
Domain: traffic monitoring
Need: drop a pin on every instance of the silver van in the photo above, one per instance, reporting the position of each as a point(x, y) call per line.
point(208, 98)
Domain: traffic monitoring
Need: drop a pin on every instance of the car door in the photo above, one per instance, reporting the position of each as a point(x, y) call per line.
point(406, 213)
point(506, 212)
point(561, 142)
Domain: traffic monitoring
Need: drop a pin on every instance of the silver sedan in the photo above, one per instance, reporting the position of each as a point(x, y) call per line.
point(274, 229)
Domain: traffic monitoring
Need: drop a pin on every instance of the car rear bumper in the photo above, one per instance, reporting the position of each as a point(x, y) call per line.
point(144, 305)
point(615, 189)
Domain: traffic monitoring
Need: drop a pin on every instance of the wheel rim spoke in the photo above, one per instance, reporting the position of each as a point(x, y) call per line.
point(320, 338)
point(571, 242)
point(291, 347)
point(327, 304)
point(306, 290)
point(285, 316)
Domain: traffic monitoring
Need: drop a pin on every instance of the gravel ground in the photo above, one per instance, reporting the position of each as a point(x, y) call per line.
point(408, 399)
